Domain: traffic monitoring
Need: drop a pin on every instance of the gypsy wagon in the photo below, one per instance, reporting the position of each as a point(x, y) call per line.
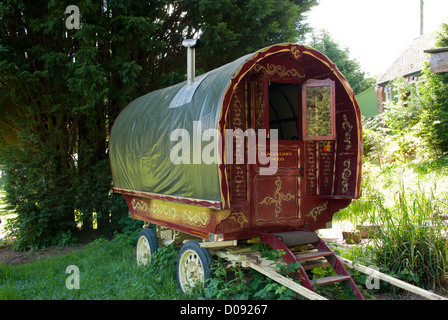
point(293, 128)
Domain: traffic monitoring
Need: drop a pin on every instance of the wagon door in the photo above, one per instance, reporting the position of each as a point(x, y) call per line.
point(276, 198)
point(303, 115)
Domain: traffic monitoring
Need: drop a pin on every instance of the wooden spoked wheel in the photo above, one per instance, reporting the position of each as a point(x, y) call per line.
point(193, 266)
point(146, 246)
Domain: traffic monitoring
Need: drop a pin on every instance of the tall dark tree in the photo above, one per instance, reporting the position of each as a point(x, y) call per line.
point(61, 89)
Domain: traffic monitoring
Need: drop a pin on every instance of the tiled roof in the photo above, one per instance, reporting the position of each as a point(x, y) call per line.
point(411, 60)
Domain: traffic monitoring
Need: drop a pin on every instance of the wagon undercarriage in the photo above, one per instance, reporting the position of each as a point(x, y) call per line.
point(304, 249)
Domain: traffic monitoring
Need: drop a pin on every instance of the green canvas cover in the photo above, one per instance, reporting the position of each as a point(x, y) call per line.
point(140, 143)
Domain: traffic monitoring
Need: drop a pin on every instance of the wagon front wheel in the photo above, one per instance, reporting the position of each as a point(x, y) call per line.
point(193, 266)
point(146, 246)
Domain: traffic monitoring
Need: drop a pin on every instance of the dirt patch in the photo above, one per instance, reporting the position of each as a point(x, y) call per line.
point(11, 257)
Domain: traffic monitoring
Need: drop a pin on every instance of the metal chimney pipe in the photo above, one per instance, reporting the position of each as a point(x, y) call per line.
point(191, 44)
point(421, 17)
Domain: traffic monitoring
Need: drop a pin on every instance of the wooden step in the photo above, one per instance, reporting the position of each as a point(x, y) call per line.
point(297, 238)
point(317, 263)
point(331, 279)
point(313, 255)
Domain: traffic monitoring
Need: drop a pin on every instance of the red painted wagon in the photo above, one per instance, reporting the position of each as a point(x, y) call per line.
point(170, 158)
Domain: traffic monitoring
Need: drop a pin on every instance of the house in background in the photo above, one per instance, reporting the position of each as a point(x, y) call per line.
point(408, 65)
point(368, 102)
point(439, 59)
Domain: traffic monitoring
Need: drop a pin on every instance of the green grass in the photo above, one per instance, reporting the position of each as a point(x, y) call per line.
point(107, 270)
point(407, 202)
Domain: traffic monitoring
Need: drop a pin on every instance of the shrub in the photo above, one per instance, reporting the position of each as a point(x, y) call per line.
point(411, 244)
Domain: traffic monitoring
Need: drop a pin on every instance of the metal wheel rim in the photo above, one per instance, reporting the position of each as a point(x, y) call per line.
point(143, 251)
point(191, 270)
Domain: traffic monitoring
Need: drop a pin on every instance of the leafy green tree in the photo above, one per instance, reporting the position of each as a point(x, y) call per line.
point(349, 67)
point(61, 89)
point(434, 97)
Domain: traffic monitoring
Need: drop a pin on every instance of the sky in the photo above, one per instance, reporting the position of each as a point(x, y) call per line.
point(376, 31)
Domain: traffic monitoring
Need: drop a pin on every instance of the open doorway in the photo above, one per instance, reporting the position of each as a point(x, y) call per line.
point(284, 110)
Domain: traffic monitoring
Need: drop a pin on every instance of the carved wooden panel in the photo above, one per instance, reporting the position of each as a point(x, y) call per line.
point(326, 167)
point(238, 119)
point(275, 198)
point(311, 167)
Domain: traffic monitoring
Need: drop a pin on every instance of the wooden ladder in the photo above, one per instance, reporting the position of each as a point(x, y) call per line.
point(287, 240)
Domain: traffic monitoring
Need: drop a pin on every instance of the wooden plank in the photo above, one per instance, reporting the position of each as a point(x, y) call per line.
point(284, 281)
point(391, 280)
point(331, 279)
point(234, 259)
point(219, 244)
point(312, 264)
point(313, 255)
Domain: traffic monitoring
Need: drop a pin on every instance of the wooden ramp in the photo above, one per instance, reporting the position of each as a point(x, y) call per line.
point(294, 286)
point(247, 258)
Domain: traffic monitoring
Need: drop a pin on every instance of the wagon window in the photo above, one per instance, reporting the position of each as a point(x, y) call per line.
point(283, 116)
point(318, 110)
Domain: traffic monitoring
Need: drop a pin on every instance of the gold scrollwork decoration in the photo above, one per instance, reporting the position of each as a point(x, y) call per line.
point(279, 70)
point(295, 52)
point(139, 205)
point(175, 212)
point(195, 218)
point(240, 218)
point(346, 173)
point(317, 210)
point(346, 125)
point(278, 198)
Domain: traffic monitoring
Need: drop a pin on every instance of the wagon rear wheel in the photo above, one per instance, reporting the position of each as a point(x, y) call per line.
point(193, 266)
point(146, 246)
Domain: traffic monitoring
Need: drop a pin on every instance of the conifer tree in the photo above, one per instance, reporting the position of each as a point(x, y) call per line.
point(62, 84)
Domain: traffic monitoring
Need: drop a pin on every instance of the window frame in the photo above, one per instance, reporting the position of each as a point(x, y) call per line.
point(319, 83)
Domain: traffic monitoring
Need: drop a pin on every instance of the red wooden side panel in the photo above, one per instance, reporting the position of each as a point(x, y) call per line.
point(238, 119)
point(238, 172)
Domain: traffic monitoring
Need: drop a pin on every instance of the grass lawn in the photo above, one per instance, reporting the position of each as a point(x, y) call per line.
point(107, 271)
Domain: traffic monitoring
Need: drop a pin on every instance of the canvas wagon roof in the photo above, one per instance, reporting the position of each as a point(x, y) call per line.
point(140, 138)
point(140, 143)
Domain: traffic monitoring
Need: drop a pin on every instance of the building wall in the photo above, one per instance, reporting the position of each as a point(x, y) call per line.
point(368, 103)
